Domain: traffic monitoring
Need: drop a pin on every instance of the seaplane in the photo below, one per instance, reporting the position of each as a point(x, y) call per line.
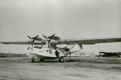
point(49, 47)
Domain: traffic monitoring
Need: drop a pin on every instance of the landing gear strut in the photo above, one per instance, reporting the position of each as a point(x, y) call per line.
point(33, 60)
point(57, 54)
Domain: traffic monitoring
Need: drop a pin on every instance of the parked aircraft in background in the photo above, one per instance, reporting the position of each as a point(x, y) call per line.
point(110, 54)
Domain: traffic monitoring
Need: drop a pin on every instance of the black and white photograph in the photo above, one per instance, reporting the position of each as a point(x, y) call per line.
point(60, 39)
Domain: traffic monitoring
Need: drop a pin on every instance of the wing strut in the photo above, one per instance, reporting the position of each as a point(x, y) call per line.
point(80, 45)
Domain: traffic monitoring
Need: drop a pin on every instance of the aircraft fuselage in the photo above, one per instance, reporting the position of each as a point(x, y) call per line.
point(44, 53)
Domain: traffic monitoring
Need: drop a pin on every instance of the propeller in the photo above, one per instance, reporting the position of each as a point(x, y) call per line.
point(33, 38)
point(49, 38)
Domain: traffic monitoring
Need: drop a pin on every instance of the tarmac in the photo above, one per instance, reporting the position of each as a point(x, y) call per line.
point(23, 69)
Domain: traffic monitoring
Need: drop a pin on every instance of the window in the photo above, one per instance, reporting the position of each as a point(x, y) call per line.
point(46, 50)
point(50, 51)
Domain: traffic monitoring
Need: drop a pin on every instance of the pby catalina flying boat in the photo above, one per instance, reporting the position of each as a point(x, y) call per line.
point(48, 48)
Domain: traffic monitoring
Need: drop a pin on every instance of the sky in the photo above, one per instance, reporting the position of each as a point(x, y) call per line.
point(66, 18)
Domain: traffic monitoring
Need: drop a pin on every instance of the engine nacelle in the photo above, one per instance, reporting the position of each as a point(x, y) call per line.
point(38, 47)
point(53, 42)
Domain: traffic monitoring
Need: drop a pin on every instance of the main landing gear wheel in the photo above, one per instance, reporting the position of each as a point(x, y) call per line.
point(61, 59)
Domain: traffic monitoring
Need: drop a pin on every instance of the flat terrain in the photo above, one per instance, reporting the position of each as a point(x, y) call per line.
point(22, 69)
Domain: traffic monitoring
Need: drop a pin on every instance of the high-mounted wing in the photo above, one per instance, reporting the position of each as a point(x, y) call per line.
point(89, 41)
point(70, 41)
point(24, 43)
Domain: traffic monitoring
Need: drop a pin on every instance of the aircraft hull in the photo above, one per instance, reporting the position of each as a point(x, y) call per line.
point(43, 54)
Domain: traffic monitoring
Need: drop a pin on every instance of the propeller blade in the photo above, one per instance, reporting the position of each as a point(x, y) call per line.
point(51, 36)
point(29, 37)
point(44, 36)
point(33, 40)
point(35, 37)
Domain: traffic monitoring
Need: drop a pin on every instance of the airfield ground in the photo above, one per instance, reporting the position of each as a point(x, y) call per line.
point(22, 69)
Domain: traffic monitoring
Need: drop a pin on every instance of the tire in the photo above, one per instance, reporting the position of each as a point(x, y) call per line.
point(61, 59)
